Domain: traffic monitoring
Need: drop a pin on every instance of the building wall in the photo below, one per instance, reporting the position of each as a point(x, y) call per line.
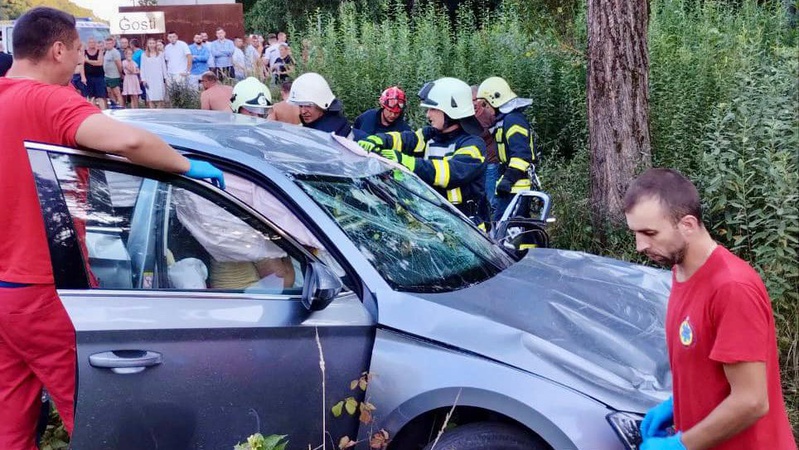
point(187, 20)
point(193, 2)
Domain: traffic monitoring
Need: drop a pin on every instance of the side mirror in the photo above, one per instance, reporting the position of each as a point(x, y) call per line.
point(322, 285)
point(523, 223)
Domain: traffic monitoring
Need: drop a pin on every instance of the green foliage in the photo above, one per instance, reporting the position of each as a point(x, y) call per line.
point(181, 95)
point(361, 57)
point(695, 51)
point(258, 442)
point(55, 437)
point(11, 9)
point(271, 16)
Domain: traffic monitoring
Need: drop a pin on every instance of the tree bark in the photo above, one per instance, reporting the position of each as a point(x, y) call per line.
point(618, 103)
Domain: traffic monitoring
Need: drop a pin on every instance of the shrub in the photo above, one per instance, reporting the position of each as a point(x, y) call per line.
point(181, 95)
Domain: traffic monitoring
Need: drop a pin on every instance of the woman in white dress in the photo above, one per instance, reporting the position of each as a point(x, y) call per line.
point(153, 74)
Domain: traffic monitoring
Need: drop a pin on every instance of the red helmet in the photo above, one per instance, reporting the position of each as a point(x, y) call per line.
point(393, 99)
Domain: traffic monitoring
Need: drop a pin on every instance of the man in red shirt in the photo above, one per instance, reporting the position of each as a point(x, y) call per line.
point(37, 338)
point(720, 329)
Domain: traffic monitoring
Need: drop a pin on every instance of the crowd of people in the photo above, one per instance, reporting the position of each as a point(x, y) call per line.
point(720, 330)
point(119, 72)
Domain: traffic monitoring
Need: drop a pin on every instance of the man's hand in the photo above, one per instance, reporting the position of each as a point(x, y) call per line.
point(668, 443)
point(397, 157)
point(372, 143)
point(657, 419)
point(201, 170)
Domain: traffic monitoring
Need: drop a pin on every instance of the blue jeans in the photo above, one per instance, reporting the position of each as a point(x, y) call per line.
point(501, 204)
point(492, 177)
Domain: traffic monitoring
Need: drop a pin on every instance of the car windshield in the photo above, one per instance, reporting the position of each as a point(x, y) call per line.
point(414, 238)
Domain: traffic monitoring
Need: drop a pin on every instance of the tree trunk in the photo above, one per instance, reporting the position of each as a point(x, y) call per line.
point(618, 103)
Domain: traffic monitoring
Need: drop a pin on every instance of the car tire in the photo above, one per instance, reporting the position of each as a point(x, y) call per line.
point(485, 435)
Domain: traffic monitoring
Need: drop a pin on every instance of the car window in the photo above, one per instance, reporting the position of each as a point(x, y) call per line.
point(413, 237)
point(143, 233)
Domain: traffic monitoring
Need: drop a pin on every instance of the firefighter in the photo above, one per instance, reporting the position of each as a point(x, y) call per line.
point(251, 98)
point(515, 141)
point(319, 108)
point(449, 154)
point(388, 117)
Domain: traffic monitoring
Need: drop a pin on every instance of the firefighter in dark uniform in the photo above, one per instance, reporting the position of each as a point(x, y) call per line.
point(449, 154)
point(516, 146)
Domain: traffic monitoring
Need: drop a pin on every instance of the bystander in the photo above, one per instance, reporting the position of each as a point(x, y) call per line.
point(720, 331)
point(37, 338)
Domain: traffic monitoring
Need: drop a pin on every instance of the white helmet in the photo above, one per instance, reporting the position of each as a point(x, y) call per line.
point(496, 91)
point(450, 95)
point(252, 95)
point(311, 89)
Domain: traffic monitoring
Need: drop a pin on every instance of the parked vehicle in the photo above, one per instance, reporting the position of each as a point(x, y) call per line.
point(86, 28)
point(559, 350)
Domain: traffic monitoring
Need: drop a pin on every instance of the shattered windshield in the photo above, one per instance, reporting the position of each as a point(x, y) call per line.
point(411, 236)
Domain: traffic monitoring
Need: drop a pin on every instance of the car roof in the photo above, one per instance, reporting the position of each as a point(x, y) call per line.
point(291, 149)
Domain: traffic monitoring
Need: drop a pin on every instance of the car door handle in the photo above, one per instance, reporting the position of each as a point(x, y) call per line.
point(125, 361)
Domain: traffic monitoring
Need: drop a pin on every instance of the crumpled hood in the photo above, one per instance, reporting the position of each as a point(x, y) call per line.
point(590, 323)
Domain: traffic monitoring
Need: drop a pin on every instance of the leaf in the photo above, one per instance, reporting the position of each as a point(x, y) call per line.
point(353, 384)
point(336, 409)
point(362, 384)
point(379, 440)
point(365, 416)
point(271, 441)
point(367, 406)
point(351, 405)
point(345, 442)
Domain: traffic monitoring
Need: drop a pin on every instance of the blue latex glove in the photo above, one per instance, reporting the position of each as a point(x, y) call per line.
point(668, 443)
point(202, 170)
point(658, 419)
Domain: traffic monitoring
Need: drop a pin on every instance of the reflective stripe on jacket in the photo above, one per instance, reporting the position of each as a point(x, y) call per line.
point(515, 148)
point(453, 163)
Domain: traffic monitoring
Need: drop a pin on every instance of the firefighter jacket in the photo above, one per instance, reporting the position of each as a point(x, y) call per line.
point(332, 121)
point(453, 163)
point(515, 149)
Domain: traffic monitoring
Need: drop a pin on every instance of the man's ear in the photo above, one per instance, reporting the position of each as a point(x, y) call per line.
point(689, 225)
point(58, 50)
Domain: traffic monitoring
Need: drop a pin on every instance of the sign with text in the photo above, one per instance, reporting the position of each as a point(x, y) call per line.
point(138, 23)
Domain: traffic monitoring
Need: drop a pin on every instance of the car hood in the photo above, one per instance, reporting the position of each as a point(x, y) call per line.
point(591, 323)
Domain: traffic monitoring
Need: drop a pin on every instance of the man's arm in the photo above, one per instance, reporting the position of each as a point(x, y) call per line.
point(189, 57)
point(107, 135)
point(98, 61)
point(747, 402)
point(118, 62)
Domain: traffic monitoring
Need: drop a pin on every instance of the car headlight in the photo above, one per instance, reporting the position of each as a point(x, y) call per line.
point(627, 426)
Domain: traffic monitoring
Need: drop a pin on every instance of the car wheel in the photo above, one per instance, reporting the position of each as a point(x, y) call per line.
point(483, 435)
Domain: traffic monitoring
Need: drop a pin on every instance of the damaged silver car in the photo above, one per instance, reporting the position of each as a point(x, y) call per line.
point(202, 315)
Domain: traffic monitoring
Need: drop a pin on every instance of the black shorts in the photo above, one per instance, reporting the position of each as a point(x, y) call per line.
point(96, 87)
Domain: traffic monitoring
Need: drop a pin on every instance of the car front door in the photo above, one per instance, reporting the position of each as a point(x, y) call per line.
point(191, 331)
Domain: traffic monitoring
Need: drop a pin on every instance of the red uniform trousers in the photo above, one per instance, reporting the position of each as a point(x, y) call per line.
point(37, 348)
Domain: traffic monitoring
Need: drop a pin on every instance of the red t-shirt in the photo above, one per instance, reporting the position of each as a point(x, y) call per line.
point(722, 315)
point(39, 112)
